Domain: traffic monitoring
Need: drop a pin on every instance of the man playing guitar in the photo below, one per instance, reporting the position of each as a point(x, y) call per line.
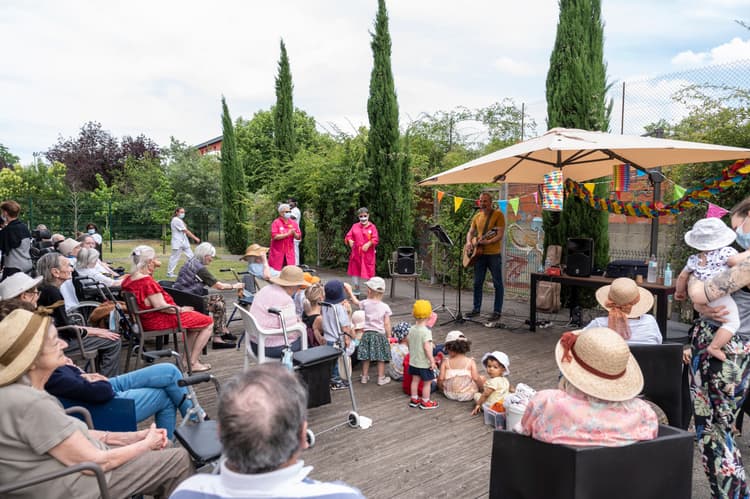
point(481, 237)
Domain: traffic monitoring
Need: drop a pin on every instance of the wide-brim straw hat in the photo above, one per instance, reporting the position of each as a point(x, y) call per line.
point(623, 291)
point(16, 284)
point(21, 338)
point(291, 275)
point(709, 234)
point(254, 250)
point(600, 364)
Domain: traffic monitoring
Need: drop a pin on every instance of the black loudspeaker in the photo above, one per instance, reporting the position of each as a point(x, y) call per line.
point(405, 260)
point(580, 257)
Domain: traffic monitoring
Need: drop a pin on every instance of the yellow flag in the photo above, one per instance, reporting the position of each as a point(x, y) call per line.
point(514, 204)
point(590, 186)
point(440, 195)
point(457, 203)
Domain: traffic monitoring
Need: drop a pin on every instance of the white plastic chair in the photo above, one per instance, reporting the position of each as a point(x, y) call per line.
point(252, 329)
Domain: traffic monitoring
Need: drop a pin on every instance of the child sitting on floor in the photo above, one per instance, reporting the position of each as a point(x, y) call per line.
point(496, 387)
point(459, 379)
point(399, 350)
point(421, 362)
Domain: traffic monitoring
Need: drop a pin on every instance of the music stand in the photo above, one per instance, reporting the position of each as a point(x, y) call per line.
point(446, 243)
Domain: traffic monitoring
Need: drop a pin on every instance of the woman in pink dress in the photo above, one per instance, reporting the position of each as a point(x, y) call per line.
point(284, 231)
point(362, 238)
point(149, 294)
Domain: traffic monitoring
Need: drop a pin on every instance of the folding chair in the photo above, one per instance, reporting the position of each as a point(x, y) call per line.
point(253, 329)
point(396, 275)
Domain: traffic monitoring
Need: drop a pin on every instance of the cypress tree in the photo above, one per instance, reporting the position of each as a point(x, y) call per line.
point(388, 195)
point(576, 98)
point(233, 190)
point(283, 115)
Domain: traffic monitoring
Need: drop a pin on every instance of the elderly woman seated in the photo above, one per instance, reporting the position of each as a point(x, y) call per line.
point(256, 257)
point(149, 294)
point(196, 278)
point(38, 437)
point(87, 265)
point(596, 403)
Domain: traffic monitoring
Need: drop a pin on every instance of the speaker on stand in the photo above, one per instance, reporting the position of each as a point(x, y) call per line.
point(405, 260)
point(579, 260)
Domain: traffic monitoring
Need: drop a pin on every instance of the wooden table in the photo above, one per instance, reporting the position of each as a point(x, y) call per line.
point(662, 293)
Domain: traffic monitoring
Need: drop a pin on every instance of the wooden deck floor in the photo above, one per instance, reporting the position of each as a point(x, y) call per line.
point(412, 453)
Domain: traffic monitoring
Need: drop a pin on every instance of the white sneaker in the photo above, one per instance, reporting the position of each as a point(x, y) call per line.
point(384, 380)
point(365, 379)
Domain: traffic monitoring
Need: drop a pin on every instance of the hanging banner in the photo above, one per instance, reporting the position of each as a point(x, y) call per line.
point(536, 198)
point(457, 203)
point(715, 211)
point(440, 195)
point(621, 178)
point(679, 191)
point(690, 197)
point(514, 204)
point(552, 191)
point(503, 205)
point(590, 186)
point(639, 173)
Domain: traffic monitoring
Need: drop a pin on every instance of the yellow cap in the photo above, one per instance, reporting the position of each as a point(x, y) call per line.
point(422, 309)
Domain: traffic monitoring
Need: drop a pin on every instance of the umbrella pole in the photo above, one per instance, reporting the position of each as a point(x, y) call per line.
point(656, 177)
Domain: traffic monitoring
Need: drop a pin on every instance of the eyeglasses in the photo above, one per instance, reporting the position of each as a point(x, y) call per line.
point(34, 291)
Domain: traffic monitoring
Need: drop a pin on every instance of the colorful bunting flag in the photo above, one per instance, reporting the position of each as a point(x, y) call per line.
point(536, 198)
point(715, 211)
point(621, 178)
point(639, 173)
point(514, 204)
point(590, 186)
point(552, 191)
point(457, 203)
point(679, 191)
point(503, 205)
point(440, 195)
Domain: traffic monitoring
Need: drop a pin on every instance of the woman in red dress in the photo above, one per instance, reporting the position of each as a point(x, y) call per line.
point(149, 294)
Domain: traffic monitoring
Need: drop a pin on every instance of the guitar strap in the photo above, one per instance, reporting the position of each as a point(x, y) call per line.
point(486, 224)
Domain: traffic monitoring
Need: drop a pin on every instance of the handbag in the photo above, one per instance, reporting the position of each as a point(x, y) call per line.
point(547, 296)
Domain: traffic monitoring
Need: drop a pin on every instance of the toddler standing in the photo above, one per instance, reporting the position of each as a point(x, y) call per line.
point(374, 344)
point(336, 324)
point(459, 379)
point(496, 387)
point(421, 362)
point(711, 236)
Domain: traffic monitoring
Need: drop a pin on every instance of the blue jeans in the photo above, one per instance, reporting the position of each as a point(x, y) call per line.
point(155, 392)
point(493, 263)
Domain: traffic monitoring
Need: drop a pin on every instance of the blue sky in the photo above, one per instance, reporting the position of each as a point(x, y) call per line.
point(160, 68)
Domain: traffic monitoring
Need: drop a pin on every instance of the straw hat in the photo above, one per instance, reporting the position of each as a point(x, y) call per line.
point(66, 247)
point(21, 338)
point(623, 292)
point(501, 357)
point(598, 362)
point(254, 250)
point(16, 284)
point(291, 275)
point(709, 234)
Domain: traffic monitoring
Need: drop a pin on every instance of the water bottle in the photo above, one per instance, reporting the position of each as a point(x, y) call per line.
point(668, 275)
point(652, 268)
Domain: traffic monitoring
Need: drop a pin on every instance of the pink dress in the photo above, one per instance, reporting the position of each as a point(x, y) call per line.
point(574, 418)
point(282, 250)
point(362, 263)
point(146, 286)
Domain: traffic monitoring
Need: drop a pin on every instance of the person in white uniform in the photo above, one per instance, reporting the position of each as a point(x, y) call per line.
point(180, 243)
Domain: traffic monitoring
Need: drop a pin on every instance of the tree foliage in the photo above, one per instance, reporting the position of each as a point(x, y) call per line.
point(7, 159)
point(233, 190)
point(388, 194)
point(283, 119)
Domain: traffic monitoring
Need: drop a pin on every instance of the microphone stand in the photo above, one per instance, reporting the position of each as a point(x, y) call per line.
point(446, 243)
point(459, 318)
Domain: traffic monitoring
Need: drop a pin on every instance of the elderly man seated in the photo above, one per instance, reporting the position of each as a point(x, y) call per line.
point(262, 427)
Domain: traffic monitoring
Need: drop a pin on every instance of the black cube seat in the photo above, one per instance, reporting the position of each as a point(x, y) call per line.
point(314, 366)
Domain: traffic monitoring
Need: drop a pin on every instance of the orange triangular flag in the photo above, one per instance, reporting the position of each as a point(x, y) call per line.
point(440, 195)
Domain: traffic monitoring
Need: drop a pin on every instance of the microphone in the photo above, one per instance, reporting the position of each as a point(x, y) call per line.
point(274, 311)
point(475, 207)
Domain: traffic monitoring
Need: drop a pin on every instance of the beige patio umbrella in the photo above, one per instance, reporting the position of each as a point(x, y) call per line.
point(581, 155)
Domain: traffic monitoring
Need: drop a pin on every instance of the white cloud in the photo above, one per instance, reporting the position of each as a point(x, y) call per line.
point(734, 50)
point(516, 68)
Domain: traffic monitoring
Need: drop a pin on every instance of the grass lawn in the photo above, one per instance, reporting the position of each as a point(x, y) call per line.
point(121, 250)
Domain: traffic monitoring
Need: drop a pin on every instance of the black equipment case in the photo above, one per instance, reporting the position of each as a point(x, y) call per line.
point(627, 268)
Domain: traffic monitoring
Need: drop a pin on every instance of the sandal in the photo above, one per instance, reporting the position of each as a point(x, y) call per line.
point(201, 368)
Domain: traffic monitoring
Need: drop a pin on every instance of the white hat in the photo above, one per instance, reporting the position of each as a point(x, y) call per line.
point(376, 284)
point(16, 284)
point(501, 357)
point(454, 336)
point(66, 247)
point(358, 319)
point(709, 234)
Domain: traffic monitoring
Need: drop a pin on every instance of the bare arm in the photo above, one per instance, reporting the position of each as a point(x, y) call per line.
point(387, 325)
point(441, 376)
point(350, 294)
point(191, 235)
point(681, 285)
point(486, 392)
point(318, 330)
point(727, 282)
point(735, 259)
point(428, 351)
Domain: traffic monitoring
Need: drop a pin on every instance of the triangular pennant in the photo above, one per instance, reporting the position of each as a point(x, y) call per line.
point(590, 186)
point(715, 211)
point(440, 195)
point(639, 173)
point(536, 198)
point(679, 191)
point(457, 203)
point(514, 204)
point(503, 205)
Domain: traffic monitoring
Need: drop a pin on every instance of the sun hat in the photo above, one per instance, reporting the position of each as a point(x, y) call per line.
point(21, 338)
point(501, 357)
point(291, 275)
point(334, 292)
point(401, 330)
point(254, 250)
point(454, 336)
point(66, 247)
point(422, 309)
point(598, 362)
point(310, 279)
point(709, 234)
point(358, 319)
point(376, 284)
point(627, 296)
point(16, 284)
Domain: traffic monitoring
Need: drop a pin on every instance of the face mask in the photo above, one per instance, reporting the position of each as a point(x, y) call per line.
point(743, 239)
point(181, 215)
point(363, 220)
point(287, 215)
point(91, 231)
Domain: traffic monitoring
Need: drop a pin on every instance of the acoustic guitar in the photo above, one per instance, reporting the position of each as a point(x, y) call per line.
point(474, 250)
